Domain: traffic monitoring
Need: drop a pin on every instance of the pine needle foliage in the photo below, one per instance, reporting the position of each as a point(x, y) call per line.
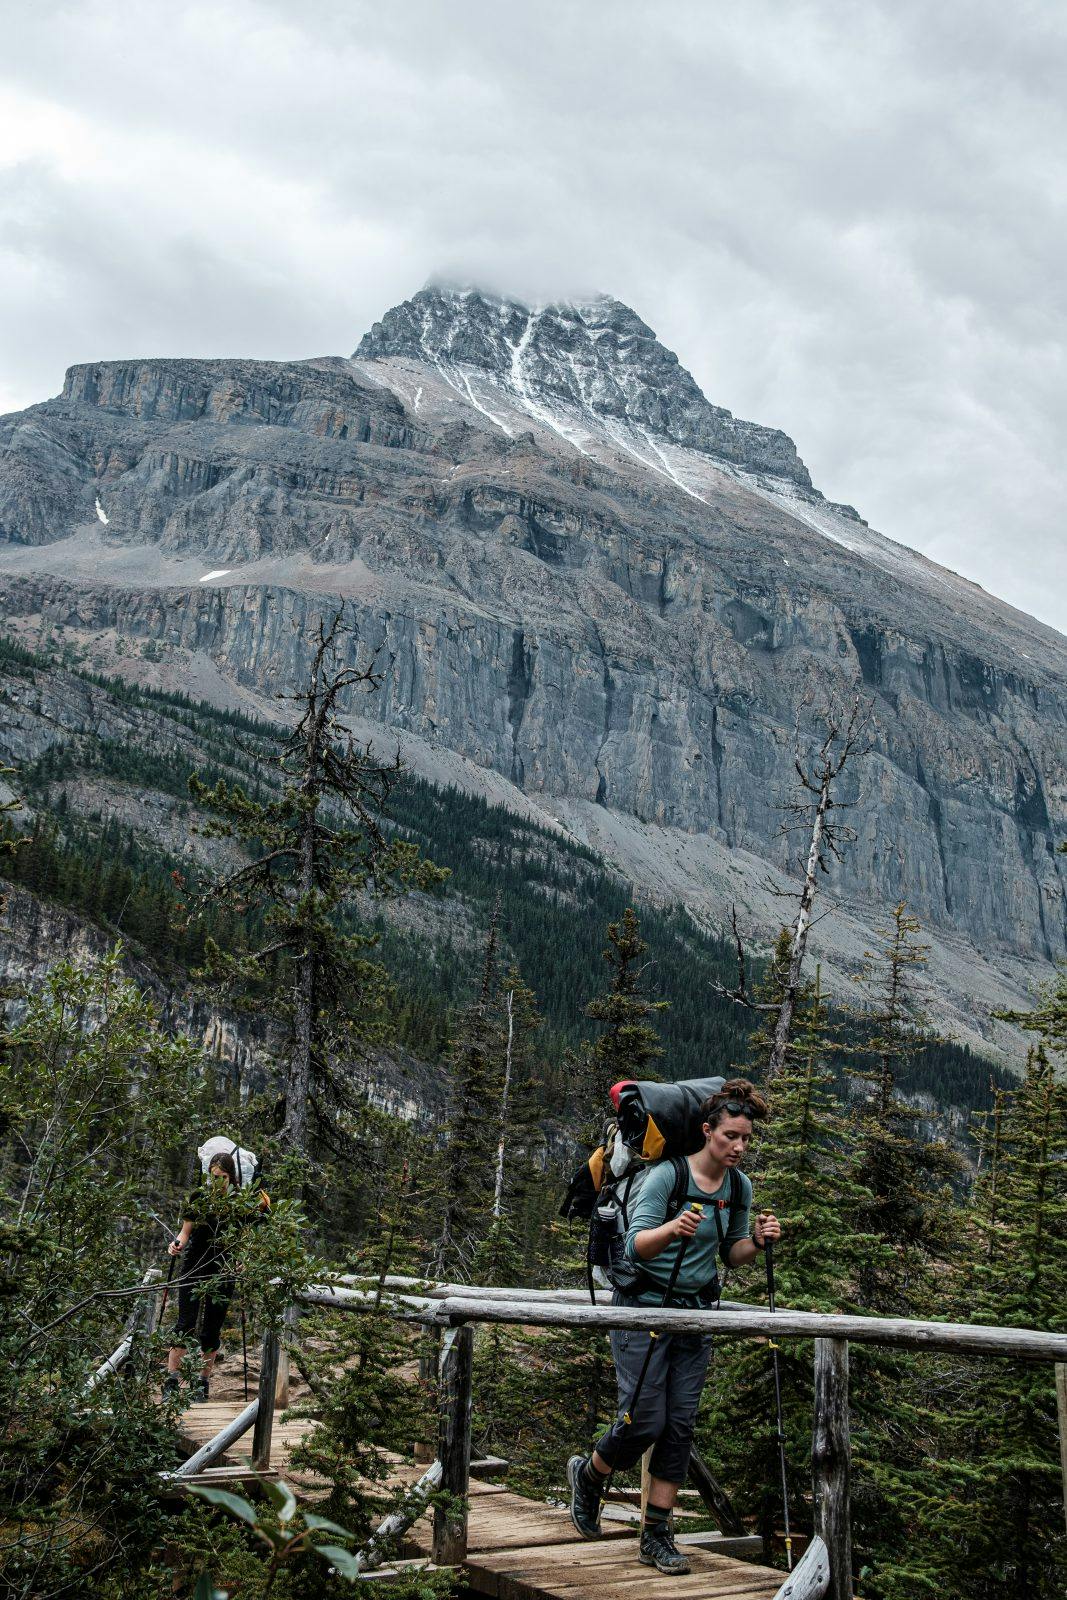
point(628, 1045)
point(909, 1179)
point(316, 848)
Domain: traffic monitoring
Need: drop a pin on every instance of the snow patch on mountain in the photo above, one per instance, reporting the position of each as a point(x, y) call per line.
point(594, 358)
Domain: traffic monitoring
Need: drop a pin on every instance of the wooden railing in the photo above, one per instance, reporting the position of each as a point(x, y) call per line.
point(140, 1324)
point(456, 1308)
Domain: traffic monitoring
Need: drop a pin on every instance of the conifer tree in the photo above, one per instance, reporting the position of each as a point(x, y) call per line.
point(316, 846)
point(989, 1497)
point(628, 1045)
point(502, 1257)
point(801, 1169)
point(566, 1385)
point(468, 1159)
point(908, 1177)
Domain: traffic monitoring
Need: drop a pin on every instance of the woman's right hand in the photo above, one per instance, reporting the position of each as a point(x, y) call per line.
point(685, 1224)
point(175, 1247)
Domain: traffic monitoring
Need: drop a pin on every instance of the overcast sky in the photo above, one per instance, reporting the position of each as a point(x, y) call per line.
point(849, 219)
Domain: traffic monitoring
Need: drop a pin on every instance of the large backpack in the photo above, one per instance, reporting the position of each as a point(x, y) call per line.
point(655, 1122)
point(249, 1171)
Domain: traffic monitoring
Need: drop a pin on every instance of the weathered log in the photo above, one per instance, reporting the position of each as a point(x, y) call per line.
point(140, 1320)
point(414, 1505)
point(281, 1383)
point(444, 1291)
point(831, 1462)
point(111, 1365)
point(218, 1445)
point(450, 1525)
point(714, 1495)
point(1022, 1344)
point(268, 1384)
point(810, 1579)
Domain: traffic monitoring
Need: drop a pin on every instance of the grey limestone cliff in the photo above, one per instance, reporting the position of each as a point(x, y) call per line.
point(584, 578)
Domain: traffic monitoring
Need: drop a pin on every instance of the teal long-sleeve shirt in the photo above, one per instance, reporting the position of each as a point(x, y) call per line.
point(698, 1269)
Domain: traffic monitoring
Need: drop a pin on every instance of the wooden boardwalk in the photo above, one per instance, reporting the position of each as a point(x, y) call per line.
point(517, 1549)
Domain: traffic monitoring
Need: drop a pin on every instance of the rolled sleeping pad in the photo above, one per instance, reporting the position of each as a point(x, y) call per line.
point(663, 1119)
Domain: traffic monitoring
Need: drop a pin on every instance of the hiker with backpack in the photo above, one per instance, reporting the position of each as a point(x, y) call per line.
point(664, 1251)
point(206, 1285)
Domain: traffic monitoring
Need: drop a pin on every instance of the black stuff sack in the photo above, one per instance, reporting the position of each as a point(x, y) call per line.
point(663, 1119)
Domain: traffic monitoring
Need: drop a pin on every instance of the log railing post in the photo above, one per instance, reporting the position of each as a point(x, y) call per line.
point(454, 1402)
point(425, 1450)
point(831, 1460)
point(1061, 1413)
point(268, 1380)
point(290, 1318)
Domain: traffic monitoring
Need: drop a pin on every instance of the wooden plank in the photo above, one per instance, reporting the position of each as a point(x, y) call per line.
point(739, 1584)
point(598, 1566)
point(724, 1544)
point(454, 1451)
point(630, 1581)
point(831, 1460)
point(222, 1478)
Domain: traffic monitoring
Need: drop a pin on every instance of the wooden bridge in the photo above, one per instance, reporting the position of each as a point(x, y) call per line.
point(514, 1548)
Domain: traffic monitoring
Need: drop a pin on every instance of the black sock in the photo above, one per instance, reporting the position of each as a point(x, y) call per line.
point(597, 1479)
point(657, 1518)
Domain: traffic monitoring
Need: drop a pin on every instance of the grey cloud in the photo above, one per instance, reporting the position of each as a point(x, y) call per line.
point(846, 218)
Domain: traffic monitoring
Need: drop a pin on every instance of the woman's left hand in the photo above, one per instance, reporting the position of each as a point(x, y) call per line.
point(766, 1229)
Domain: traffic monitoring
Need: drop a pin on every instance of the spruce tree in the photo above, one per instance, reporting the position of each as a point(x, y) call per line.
point(908, 1177)
point(800, 1168)
point(468, 1159)
point(628, 1045)
point(317, 846)
point(988, 1498)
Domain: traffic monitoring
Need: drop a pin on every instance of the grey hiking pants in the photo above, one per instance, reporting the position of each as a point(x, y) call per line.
point(667, 1407)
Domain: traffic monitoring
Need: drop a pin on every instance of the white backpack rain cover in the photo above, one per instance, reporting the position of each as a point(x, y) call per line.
point(243, 1160)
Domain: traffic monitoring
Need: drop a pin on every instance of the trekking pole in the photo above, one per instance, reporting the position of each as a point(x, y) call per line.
point(768, 1251)
point(244, 1350)
point(628, 1414)
point(166, 1287)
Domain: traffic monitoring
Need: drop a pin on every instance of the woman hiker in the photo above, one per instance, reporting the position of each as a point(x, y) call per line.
point(206, 1279)
point(667, 1406)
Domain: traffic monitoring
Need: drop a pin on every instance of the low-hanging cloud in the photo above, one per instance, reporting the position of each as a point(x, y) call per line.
point(846, 218)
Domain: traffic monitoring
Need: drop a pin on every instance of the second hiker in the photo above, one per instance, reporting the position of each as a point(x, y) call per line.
point(657, 1232)
point(206, 1286)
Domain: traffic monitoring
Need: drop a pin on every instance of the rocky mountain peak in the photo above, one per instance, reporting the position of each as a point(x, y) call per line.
point(594, 356)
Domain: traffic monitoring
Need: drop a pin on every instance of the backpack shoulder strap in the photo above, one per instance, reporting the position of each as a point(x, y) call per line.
point(731, 1203)
point(676, 1198)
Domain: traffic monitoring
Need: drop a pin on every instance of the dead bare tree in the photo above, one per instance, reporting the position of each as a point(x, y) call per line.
point(845, 736)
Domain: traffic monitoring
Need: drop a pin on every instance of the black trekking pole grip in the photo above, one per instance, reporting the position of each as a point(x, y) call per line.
point(166, 1286)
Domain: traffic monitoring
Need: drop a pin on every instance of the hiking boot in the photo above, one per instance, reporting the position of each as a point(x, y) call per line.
point(659, 1550)
point(585, 1499)
point(171, 1384)
point(199, 1391)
